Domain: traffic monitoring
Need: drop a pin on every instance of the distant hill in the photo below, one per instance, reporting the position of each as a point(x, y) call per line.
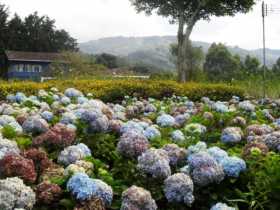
point(154, 50)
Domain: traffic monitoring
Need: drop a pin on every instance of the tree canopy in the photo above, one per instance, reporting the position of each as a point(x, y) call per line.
point(33, 33)
point(186, 13)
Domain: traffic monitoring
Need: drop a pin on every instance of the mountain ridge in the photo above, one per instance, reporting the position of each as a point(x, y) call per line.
point(154, 50)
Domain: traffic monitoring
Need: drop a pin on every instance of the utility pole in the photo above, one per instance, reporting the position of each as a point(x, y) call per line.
point(264, 14)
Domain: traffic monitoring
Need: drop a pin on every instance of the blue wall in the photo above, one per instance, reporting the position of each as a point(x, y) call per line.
point(14, 74)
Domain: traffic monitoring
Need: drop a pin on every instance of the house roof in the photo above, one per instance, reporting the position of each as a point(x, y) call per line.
point(33, 56)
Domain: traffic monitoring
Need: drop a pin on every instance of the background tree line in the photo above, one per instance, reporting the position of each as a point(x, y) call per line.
point(33, 33)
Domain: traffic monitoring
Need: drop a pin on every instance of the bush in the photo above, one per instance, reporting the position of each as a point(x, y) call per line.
point(113, 90)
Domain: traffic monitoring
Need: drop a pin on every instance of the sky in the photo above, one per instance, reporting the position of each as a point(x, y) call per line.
point(93, 19)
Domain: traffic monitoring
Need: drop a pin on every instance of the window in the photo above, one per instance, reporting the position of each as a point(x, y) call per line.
point(37, 68)
point(20, 68)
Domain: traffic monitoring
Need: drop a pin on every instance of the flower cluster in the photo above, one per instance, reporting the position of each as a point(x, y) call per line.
point(59, 136)
point(8, 147)
point(132, 144)
point(47, 193)
point(85, 188)
point(221, 206)
point(137, 198)
point(73, 153)
point(231, 135)
point(14, 194)
point(155, 162)
point(166, 120)
point(178, 188)
point(177, 155)
point(35, 125)
point(195, 128)
point(16, 165)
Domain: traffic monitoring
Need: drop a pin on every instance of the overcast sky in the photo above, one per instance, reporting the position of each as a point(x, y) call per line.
point(92, 19)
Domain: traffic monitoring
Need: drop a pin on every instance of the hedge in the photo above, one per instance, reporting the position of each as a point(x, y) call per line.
point(113, 90)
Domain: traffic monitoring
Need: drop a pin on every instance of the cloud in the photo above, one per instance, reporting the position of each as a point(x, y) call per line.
point(93, 19)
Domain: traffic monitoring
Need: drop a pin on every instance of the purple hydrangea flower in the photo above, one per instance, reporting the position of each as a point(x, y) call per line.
point(85, 188)
point(154, 162)
point(178, 188)
point(204, 169)
point(35, 125)
point(177, 155)
point(132, 144)
point(101, 124)
point(272, 141)
point(132, 125)
point(47, 115)
point(137, 198)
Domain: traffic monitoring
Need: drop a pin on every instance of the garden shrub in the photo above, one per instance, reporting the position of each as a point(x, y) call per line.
point(113, 90)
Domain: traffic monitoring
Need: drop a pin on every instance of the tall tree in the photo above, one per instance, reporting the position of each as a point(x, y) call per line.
point(195, 60)
point(251, 65)
point(220, 64)
point(3, 25)
point(187, 13)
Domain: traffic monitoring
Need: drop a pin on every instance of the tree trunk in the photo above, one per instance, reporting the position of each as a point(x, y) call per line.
point(180, 57)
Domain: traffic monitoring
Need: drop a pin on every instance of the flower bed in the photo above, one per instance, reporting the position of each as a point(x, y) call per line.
point(69, 150)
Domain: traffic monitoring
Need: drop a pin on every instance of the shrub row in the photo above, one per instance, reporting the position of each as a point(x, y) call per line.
point(113, 90)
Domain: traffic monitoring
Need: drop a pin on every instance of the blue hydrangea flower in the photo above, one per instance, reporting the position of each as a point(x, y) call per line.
point(47, 115)
point(221, 206)
point(247, 106)
point(131, 125)
point(166, 120)
point(90, 115)
point(182, 118)
point(20, 97)
point(152, 132)
point(85, 188)
point(217, 153)
point(177, 136)
point(68, 118)
point(8, 147)
point(101, 124)
point(35, 125)
point(233, 166)
point(72, 93)
point(178, 188)
point(82, 100)
point(220, 107)
point(65, 100)
point(11, 98)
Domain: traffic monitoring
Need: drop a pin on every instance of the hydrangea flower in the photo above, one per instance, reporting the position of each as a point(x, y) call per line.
point(11, 121)
point(199, 147)
point(101, 124)
point(68, 118)
point(8, 147)
point(261, 147)
point(217, 153)
point(195, 128)
point(48, 193)
point(178, 188)
point(47, 115)
point(15, 165)
point(247, 106)
point(204, 169)
point(131, 125)
point(14, 194)
point(182, 118)
point(82, 100)
point(85, 188)
point(72, 93)
point(166, 120)
point(221, 206)
point(132, 144)
point(73, 153)
point(155, 162)
point(137, 198)
point(65, 100)
point(220, 107)
point(152, 132)
point(231, 135)
point(272, 141)
point(233, 166)
point(90, 115)
point(177, 155)
point(20, 97)
point(177, 136)
point(150, 108)
point(35, 125)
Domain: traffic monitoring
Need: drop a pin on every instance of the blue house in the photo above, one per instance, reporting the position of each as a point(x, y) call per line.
point(28, 65)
